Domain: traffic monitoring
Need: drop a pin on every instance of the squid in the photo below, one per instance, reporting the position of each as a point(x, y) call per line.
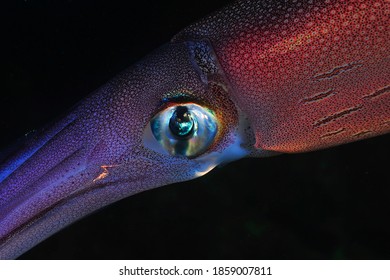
point(255, 79)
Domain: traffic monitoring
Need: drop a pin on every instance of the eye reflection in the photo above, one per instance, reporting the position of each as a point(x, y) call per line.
point(185, 130)
point(181, 123)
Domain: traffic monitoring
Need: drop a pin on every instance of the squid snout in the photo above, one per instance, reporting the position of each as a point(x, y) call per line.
point(169, 118)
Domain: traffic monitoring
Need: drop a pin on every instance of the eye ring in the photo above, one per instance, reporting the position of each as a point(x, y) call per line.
point(185, 129)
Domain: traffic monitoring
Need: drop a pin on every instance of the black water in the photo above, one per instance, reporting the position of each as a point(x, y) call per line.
point(329, 204)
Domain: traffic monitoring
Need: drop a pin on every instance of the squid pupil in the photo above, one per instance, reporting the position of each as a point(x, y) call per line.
point(181, 123)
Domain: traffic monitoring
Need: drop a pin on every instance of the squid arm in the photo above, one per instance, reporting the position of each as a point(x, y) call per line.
point(264, 77)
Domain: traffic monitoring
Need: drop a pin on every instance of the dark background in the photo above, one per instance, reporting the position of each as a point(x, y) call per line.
point(330, 204)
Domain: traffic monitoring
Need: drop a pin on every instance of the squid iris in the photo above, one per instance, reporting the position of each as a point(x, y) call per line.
point(186, 129)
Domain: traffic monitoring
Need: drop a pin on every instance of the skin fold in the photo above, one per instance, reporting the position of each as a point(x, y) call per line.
point(64, 173)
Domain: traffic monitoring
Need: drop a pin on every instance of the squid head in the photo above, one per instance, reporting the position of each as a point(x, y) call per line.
point(255, 79)
point(167, 119)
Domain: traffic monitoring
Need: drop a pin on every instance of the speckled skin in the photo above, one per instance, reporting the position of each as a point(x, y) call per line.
point(309, 74)
point(305, 76)
point(96, 155)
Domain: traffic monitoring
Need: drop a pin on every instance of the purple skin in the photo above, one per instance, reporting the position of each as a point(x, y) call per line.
point(63, 174)
point(69, 174)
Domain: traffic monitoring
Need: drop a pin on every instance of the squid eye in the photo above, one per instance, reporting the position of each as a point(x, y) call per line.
point(185, 130)
point(181, 123)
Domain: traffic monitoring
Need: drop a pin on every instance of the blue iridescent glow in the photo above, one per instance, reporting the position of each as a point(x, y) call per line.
point(185, 130)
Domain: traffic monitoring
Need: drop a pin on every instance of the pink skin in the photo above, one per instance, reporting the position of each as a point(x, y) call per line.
point(318, 74)
point(297, 92)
